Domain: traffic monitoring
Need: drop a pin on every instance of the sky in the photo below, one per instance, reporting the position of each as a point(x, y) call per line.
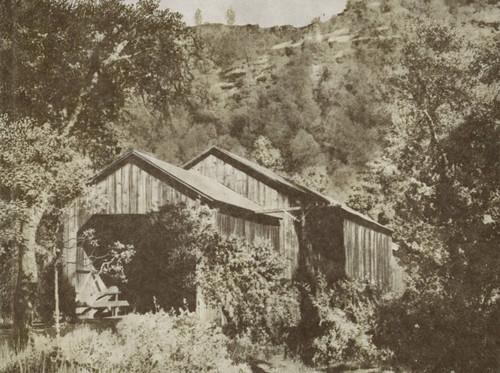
point(266, 13)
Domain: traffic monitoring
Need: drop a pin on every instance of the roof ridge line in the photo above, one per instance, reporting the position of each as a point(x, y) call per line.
point(176, 173)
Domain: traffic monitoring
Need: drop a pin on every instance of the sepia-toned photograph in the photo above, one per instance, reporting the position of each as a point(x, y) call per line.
point(249, 186)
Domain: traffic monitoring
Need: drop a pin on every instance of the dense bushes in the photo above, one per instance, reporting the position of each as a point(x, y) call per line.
point(247, 283)
point(167, 244)
point(243, 285)
point(160, 342)
point(181, 249)
point(347, 321)
point(433, 332)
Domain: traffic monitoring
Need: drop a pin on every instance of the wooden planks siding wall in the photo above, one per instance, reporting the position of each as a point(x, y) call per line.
point(76, 260)
point(260, 193)
point(368, 254)
point(289, 246)
point(241, 183)
point(251, 231)
point(131, 190)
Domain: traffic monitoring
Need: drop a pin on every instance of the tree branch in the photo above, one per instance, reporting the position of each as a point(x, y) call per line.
point(434, 140)
point(112, 58)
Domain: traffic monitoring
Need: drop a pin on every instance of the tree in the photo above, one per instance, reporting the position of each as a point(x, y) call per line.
point(66, 71)
point(197, 17)
point(440, 175)
point(71, 64)
point(40, 173)
point(230, 16)
point(315, 20)
point(267, 155)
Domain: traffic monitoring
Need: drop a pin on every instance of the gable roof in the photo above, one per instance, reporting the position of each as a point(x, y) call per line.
point(279, 182)
point(255, 170)
point(192, 184)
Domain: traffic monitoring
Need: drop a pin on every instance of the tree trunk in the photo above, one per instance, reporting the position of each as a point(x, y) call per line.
point(58, 249)
point(56, 300)
point(26, 281)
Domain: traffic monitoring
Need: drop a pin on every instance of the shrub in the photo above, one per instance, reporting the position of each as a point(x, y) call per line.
point(247, 283)
point(432, 331)
point(161, 342)
point(35, 358)
point(346, 320)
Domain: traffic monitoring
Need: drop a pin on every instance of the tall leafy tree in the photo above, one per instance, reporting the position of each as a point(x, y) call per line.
point(440, 175)
point(230, 16)
point(198, 17)
point(66, 71)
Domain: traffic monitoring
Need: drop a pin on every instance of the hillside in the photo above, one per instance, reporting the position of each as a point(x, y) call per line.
point(318, 94)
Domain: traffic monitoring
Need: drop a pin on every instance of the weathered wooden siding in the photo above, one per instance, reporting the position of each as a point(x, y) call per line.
point(242, 183)
point(289, 239)
point(398, 285)
point(260, 193)
point(368, 254)
point(251, 231)
point(131, 190)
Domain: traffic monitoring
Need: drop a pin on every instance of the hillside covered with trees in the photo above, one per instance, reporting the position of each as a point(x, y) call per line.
point(320, 95)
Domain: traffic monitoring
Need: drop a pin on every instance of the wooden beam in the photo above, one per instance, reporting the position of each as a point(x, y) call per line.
point(109, 303)
point(271, 211)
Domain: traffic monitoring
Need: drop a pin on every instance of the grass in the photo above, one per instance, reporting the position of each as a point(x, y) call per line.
point(40, 356)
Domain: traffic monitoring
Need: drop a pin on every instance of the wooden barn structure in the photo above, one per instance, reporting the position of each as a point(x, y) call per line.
point(309, 229)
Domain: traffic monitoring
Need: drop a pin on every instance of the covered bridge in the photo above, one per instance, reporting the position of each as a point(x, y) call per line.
point(309, 229)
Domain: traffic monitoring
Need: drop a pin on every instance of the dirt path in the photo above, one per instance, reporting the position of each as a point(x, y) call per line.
point(287, 366)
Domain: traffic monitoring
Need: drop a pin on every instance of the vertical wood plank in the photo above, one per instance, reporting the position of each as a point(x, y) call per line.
point(227, 174)
point(258, 197)
point(171, 195)
point(155, 194)
point(148, 192)
point(133, 189)
point(141, 195)
point(245, 184)
point(211, 167)
point(283, 226)
point(160, 193)
point(118, 190)
point(126, 188)
point(109, 194)
point(219, 170)
point(165, 197)
point(113, 192)
point(250, 189)
point(262, 195)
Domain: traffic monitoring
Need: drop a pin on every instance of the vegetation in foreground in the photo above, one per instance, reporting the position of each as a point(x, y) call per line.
point(160, 342)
